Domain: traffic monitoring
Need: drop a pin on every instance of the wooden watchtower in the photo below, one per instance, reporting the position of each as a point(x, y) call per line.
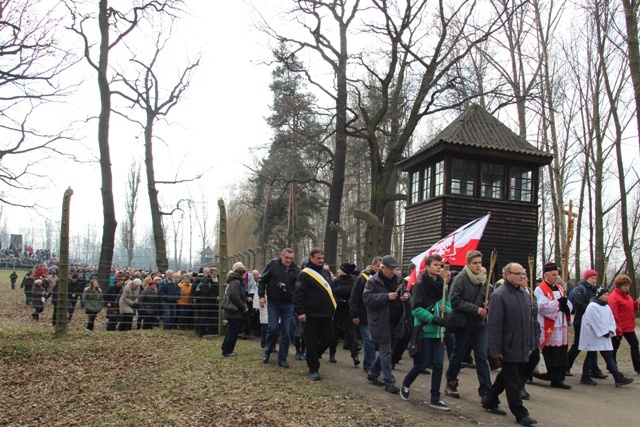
point(474, 166)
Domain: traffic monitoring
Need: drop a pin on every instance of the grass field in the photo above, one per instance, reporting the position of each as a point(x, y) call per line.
point(153, 378)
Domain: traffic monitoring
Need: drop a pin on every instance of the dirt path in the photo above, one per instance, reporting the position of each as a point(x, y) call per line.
point(604, 405)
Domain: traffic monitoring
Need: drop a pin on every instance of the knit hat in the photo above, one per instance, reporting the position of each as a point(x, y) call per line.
point(347, 267)
point(589, 274)
point(550, 266)
point(600, 291)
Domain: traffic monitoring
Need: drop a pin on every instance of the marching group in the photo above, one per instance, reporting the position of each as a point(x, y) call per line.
point(505, 324)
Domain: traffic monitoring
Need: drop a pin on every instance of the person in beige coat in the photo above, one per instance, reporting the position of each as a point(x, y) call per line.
point(128, 302)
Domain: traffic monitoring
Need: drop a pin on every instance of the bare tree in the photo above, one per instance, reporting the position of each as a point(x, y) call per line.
point(145, 92)
point(121, 24)
point(316, 17)
point(131, 207)
point(32, 59)
point(389, 122)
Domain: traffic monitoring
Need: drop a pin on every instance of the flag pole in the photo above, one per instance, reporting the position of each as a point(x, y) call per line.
point(443, 307)
point(531, 276)
point(492, 264)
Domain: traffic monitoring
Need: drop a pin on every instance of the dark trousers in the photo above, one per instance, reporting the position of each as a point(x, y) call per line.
point(573, 351)
point(72, 307)
point(608, 358)
point(343, 322)
point(126, 322)
point(530, 366)
point(36, 313)
point(632, 339)
point(230, 340)
point(112, 319)
point(508, 380)
point(318, 335)
point(148, 322)
point(91, 320)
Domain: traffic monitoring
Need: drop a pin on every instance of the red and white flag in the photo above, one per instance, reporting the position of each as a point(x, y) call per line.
point(452, 248)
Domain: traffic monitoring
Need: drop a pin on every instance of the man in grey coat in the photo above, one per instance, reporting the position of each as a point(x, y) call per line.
point(511, 341)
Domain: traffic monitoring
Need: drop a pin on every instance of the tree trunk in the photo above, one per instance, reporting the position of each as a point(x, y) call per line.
point(156, 215)
point(340, 153)
point(108, 208)
point(631, 20)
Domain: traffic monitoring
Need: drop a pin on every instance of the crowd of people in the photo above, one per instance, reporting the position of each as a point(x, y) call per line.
point(377, 311)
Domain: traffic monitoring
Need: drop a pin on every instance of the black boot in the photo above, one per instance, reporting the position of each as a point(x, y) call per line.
point(356, 361)
point(586, 380)
point(622, 380)
point(332, 358)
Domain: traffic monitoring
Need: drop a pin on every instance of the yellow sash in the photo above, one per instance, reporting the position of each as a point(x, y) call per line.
point(318, 278)
point(365, 275)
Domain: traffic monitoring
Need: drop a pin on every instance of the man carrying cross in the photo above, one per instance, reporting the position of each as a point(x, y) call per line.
point(314, 304)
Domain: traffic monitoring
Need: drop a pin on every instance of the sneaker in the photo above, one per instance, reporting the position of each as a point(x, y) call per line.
point(391, 388)
point(451, 389)
point(315, 376)
point(230, 354)
point(374, 380)
point(439, 404)
point(599, 375)
point(622, 380)
point(404, 393)
point(586, 380)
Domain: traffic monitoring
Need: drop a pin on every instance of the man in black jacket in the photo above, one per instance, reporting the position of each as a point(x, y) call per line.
point(315, 305)
point(359, 312)
point(511, 340)
point(278, 282)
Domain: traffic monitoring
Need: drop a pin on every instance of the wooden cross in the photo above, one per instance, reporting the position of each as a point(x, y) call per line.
point(570, 215)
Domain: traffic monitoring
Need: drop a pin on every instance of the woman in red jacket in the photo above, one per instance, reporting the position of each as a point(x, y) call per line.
point(624, 309)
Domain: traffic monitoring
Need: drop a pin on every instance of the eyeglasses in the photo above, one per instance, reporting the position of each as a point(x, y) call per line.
point(517, 274)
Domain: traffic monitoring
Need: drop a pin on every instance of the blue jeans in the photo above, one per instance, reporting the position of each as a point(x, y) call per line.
point(284, 314)
point(478, 337)
point(591, 358)
point(168, 315)
point(432, 352)
point(368, 346)
point(233, 330)
point(383, 364)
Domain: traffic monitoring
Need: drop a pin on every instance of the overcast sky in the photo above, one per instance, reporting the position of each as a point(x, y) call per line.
point(213, 127)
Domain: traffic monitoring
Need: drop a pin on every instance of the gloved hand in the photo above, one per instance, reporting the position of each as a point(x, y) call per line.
point(564, 307)
point(438, 321)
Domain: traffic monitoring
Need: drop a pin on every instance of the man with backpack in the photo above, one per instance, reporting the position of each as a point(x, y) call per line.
point(580, 296)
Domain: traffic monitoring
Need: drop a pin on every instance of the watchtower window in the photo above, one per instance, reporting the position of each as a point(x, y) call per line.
point(426, 183)
point(492, 181)
point(415, 184)
point(462, 175)
point(438, 178)
point(521, 184)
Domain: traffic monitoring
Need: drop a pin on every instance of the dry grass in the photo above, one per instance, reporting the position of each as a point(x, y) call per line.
point(149, 378)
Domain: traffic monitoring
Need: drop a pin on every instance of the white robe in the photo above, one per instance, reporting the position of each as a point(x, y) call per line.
point(550, 308)
point(597, 322)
